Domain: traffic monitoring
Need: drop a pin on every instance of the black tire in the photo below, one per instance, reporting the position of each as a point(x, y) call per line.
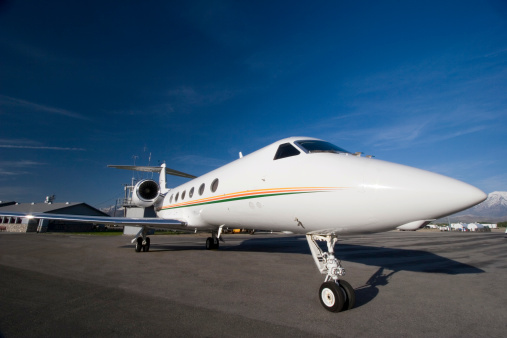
point(209, 243)
point(350, 295)
point(331, 296)
point(139, 244)
point(147, 246)
point(216, 244)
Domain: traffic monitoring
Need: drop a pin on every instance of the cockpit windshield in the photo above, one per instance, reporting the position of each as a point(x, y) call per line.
point(317, 146)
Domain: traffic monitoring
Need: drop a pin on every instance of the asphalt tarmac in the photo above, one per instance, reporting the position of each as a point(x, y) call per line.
point(418, 284)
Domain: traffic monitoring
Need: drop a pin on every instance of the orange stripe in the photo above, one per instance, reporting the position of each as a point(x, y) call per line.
point(251, 193)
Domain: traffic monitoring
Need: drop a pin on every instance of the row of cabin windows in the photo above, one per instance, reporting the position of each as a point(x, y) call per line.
point(213, 188)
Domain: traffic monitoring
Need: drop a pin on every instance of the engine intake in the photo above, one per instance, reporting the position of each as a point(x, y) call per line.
point(146, 193)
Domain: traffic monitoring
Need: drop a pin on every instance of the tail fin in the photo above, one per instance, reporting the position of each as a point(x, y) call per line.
point(161, 178)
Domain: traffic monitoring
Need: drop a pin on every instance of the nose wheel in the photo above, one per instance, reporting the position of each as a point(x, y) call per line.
point(350, 295)
point(337, 297)
point(335, 294)
point(331, 297)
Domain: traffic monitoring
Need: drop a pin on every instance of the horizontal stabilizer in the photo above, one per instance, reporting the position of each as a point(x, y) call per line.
point(168, 171)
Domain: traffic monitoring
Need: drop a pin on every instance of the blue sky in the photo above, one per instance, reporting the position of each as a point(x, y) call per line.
point(86, 84)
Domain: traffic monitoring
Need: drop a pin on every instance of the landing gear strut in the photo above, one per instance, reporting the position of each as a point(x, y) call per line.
point(142, 241)
point(335, 294)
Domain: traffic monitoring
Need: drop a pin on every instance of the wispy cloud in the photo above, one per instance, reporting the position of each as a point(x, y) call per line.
point(31, 144)
point(20, 164)
point(14, 168)
point(4, 172)
point(406, 131)
point(11, 101)
point(10, 146)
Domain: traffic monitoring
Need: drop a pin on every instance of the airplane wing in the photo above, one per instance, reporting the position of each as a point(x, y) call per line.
point(148, 222)
point(149, 169)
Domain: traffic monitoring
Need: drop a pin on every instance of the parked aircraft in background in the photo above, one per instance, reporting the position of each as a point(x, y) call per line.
point(302, 185)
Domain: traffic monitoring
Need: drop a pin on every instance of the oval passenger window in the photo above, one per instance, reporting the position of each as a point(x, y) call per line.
point(214, 185)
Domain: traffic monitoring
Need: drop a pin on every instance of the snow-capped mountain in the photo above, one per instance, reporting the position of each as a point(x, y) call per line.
point(496, 200)
point(493, 209)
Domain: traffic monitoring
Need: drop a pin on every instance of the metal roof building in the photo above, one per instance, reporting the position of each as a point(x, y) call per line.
point(23, 224)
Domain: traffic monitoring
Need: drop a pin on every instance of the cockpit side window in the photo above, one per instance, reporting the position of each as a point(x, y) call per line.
point(286, 150)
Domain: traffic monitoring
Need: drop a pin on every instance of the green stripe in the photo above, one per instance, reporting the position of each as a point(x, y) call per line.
point(239, 198)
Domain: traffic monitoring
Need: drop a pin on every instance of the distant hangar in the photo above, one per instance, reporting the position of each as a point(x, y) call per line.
point(23, 224)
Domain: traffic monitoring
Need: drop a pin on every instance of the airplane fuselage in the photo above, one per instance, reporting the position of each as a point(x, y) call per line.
point(309, 191)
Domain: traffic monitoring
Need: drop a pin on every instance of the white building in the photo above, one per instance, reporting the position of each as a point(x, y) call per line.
point(475, 227)
point(458, 226)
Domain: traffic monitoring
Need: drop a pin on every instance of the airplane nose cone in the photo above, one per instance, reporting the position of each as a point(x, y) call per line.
point(420, 194)
point(457, 195)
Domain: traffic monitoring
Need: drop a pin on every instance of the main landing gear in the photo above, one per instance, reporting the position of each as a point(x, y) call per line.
point(142, 241)
point(212, 243)
point(335, 294)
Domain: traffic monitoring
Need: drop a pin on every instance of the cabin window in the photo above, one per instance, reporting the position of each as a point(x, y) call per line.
point(171, 199)
point(183, 195)
point(286, 150)
point(176, 198)
point(201, 189)
point(191, 193)
point(214, 185)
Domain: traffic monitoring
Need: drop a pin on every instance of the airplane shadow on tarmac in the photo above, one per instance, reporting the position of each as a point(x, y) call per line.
point(367, 292)
point(389, 260)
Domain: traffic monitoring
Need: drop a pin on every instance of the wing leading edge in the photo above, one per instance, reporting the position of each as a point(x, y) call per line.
point(149, 222)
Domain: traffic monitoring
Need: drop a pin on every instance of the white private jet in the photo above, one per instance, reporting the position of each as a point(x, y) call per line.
point(302, 185)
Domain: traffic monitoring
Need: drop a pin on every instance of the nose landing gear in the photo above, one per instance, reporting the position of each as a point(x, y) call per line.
point(335, 294)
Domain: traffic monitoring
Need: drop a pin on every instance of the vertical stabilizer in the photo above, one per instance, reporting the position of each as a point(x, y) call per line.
point(162, 179)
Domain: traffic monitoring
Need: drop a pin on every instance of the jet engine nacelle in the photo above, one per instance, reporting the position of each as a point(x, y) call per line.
point(146, 193)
